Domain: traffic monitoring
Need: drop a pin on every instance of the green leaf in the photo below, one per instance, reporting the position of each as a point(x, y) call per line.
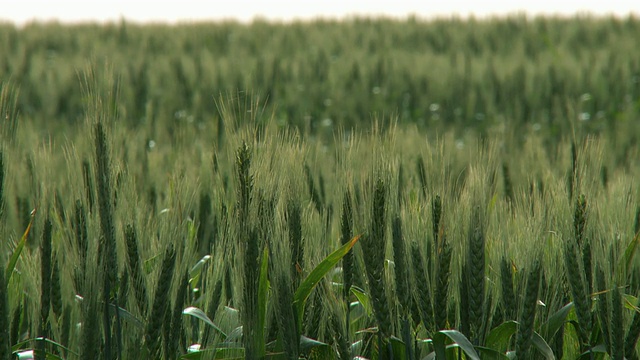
point(542, 346)
point(316, 275)
point(126, 315)
point(306, 344)
point(263, 290)
point(196, 270)
point(18, 349)
point(398, 347)
point(500, 336)
point(197, 313)
point(16, 253)
point(220, 354)
point(363, 298)
point(458, 338)
point(599, 349)
point(491, 353)
point(630, 302)
point(555, 321)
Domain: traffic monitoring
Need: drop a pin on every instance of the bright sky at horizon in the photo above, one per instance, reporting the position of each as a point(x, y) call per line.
point(171, 11)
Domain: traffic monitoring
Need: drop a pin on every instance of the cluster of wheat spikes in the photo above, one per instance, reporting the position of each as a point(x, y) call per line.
point(236, 251)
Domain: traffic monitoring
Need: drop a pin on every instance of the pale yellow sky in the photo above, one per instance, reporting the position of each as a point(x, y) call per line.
point(22, 11)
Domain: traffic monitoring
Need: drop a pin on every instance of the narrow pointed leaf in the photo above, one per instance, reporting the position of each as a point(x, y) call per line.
point(459, 339)
point(317, 274)
point(555, 321)
point(542, 346)
point(197, 313)
point(500, 336)
point(306, 344)
point(16, 253)
point(363, 298)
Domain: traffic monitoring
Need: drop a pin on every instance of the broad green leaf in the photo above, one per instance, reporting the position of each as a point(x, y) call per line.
point(363, 298)
point(16, 253)
point(491, 353)
point(316, 275)
point(197, 313)
point(263, 297)
point(542, 346)
point(555, 321)
point(456, 337)
point(500, 336)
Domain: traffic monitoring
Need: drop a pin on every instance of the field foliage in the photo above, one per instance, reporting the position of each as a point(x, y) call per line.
point(326, 190)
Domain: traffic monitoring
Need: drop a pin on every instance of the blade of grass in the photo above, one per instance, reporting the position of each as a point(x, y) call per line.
point(16, 253)
point(317, 274)
point(459, 339)
point(199, 314)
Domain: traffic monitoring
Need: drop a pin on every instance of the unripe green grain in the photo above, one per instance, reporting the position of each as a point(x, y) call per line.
point(176, 319)
point(616, 325)
point(400, 261)
point(421, 284)
point(286, 318)
point(161, 301)
point(528, 313)
point(294, 224)
point(578, 290)
point(45, 267)
point(373, 247)
point(135, 268)
point(508, 295)
point(440, 308)
point(56, 291)
point(476, 280)
point(603, 308)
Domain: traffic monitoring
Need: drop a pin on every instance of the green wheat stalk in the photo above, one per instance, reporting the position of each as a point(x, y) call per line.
point(45, 286)
point(294, 224)
point(440, 308)
point(508, 294)
point(421, 284)
point(156, 318)
point(374, 255)
point(135, 268)
point(603, 308)
point(476, 280)
point(528, 312)
point(176, 319)
point(616, 325)
point(578, 290)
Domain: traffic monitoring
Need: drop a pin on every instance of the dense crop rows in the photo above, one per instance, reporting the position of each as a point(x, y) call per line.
point(448, 189)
